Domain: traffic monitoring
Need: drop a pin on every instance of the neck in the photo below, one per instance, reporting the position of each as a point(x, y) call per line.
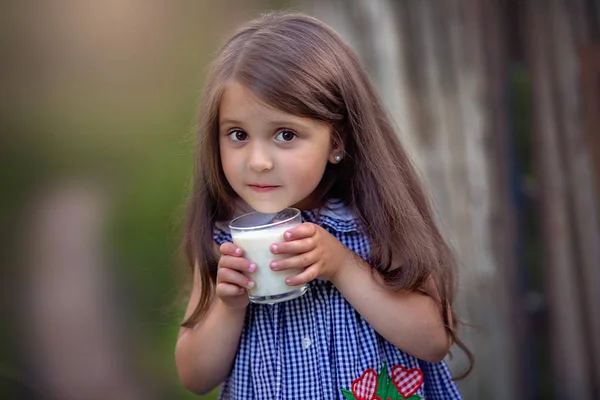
point(309, 203)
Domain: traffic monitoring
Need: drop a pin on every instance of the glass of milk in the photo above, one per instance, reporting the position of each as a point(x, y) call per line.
point(255, 233)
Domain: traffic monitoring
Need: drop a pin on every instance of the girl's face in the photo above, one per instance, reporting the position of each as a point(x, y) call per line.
point(271, 159)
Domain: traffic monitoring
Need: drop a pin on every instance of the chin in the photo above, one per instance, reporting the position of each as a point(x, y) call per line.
point(268, 208)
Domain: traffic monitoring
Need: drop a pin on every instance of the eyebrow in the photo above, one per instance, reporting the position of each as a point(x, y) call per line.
point(281, 123)
point(229, 122)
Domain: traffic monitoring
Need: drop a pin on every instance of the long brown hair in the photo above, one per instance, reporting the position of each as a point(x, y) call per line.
point(299, 65)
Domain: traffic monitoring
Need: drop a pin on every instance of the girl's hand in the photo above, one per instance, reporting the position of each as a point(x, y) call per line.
point(232, 284)
point(313, 248)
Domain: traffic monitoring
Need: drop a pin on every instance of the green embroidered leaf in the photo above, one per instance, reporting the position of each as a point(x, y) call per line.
point(348, 394)
point(383, 381)
point(415, 397)
point(392, 393)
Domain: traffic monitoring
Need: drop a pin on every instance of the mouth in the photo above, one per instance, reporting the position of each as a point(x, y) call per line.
point(262, 188)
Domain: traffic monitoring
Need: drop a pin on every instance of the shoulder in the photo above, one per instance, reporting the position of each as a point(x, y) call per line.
point(341, 221)
point(338, 216)
point(221, 233)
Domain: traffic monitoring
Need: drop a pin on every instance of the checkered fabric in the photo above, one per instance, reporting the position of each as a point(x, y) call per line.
point(311, 346)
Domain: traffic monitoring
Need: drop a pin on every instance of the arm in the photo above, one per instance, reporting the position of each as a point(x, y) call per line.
point(410, 320)
point(205, 353)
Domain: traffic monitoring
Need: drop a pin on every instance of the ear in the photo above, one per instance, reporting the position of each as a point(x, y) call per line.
point(337, 148)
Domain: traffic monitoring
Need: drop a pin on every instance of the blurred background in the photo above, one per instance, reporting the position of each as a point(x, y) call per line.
point(498, 101)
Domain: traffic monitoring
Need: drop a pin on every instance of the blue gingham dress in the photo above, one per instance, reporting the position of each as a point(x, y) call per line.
point(313, 346)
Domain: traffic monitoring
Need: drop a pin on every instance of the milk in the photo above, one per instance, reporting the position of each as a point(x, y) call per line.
point(256, 245)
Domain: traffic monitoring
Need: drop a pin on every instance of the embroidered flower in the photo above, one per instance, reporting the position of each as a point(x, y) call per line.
point(403, 384)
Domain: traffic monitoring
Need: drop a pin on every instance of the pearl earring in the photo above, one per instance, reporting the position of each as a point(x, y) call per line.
point(338, 158)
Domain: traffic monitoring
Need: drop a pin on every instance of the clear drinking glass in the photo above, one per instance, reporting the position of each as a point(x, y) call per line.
point(254, 233)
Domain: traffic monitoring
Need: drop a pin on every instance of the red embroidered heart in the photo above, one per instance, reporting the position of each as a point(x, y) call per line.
point(407, 381)
point(364, 388)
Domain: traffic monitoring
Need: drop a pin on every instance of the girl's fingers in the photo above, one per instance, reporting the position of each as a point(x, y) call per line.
point(299, 261)
point(302, 231)
point(309, 274)
point(228, 290)
point(230, 276)
point(230, 249)
point(297, 246)
point(237, 263)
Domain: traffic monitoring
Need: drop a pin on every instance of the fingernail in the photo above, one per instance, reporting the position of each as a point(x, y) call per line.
point(273, 265)
point(288, 235)
point(274, 248)
point(242, 290)
point(250, 284)
point(252, 268)
point(238, 251)
point(287, 281)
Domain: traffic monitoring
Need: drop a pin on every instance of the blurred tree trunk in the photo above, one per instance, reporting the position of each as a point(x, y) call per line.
point(441, 68)
point(73, 339)
point(556, 34)
point(591, 92)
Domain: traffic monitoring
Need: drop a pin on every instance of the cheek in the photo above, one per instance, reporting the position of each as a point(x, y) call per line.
point(228, 164)
point(307, 172)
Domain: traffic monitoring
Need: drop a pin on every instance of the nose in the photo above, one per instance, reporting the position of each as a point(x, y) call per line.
point(259, 159)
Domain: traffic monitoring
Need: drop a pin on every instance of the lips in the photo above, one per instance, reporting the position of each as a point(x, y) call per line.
point(262, 188)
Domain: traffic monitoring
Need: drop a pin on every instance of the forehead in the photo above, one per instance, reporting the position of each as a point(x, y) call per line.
point(238, 103)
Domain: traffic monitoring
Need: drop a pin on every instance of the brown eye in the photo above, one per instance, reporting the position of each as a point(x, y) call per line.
point(238, 136)
point(286, 136)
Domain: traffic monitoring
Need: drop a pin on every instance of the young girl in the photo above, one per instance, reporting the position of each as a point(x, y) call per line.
point(290, 118)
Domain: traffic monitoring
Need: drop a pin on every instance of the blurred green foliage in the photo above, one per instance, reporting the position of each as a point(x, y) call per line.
point(122, 118)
